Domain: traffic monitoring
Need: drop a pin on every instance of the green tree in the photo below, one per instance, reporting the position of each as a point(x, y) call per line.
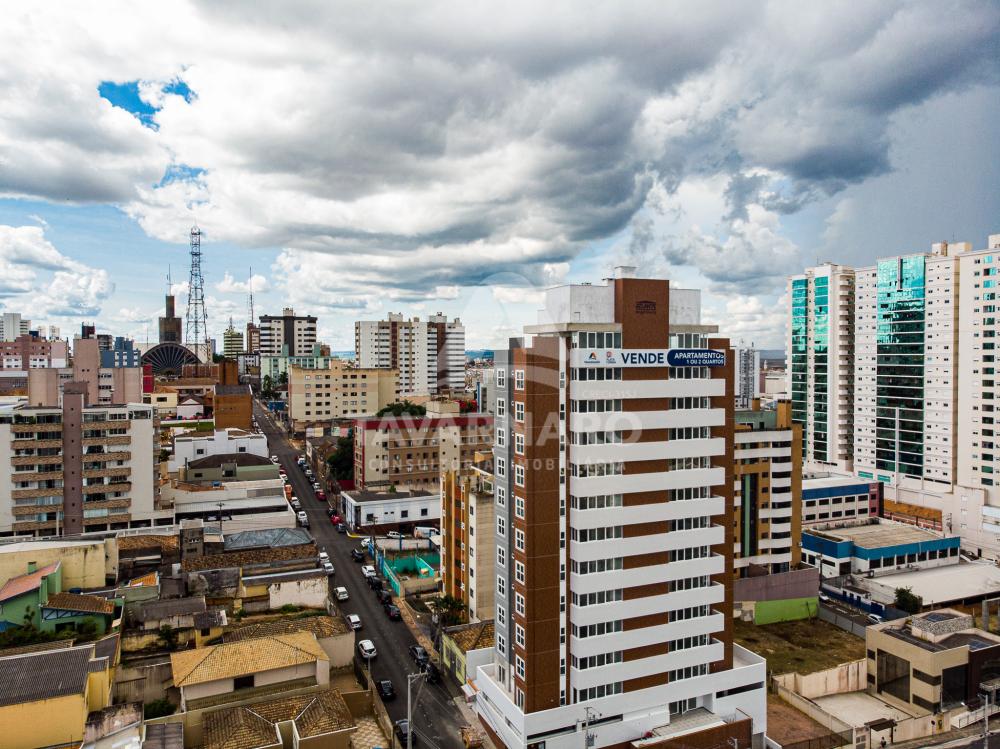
point(266, 387)
point(283, 379)
point(907, 601)
point(449, 610)
point(169, 637)
point(341, 460)
point(158, 708)
point(400, 408)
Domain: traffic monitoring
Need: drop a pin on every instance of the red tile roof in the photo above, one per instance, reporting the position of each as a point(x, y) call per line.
point(74, 602)
point(18, 586)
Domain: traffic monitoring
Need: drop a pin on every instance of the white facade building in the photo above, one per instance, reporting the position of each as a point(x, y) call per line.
point(747, 377)
point(12, 326)
point(222, 442)
point(428, 354)
point(277, 332)
point(612, 553)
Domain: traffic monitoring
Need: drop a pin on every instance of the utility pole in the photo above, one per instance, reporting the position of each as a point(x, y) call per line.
point(986, 721)
point(220, 517)
point(410, 678)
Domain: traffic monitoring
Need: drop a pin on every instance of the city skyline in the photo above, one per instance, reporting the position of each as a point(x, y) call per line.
point(356, 183)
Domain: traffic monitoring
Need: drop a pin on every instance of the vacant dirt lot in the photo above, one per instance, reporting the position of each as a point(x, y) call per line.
point(804, 646)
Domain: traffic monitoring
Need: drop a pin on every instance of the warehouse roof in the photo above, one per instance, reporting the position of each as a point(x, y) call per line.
point(40, 676)
point(233, 659)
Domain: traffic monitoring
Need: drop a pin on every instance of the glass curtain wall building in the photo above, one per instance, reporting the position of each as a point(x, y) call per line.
point(821, 370)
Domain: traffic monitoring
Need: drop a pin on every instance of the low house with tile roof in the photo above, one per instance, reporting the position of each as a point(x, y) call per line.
point(332, 633)
point(36, 598)
point(232, 467)
point(233, 671)
point(466, 647)
point(46, 697)
point(320, 719)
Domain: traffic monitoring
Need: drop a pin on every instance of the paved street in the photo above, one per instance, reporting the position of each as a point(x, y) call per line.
point(436, 719)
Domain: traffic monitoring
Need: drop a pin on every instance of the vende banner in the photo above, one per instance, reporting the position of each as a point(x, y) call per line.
point(677, 357)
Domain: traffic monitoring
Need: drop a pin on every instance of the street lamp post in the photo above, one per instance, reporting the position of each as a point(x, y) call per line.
point(410, 678)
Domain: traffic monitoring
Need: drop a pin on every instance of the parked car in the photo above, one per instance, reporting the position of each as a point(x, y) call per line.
point(419, 654)
point(357, 556)
point(330, 512)
point(281, 471)
point(309, 473)
point(303, 519)
point(321, 495)
point(368, 571)
point(384, 596)
point(316, 486)
point(824, 597)
point(366, 649)
point(375, 583)
point(328, 569)
point(385, 690)
point(296, 505)
point(341, 594)
point(392, 611)
point(300, 460)
point(341, 528)
point(874, 619)
point(274, 459)
point(395, 535)
point(402, 730)
point(433, 673)
point(323, 556)
point(354, 621)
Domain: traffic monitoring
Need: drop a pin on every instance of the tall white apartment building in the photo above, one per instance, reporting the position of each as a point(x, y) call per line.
point(613, 497)
point(821, 363)
point(297, 333)
point(428, 354)
point(975, 513)
point(747, 379)
point(12, 326)
point(924, 384)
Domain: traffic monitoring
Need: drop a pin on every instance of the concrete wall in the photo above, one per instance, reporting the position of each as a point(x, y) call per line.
point(141, 682)
point(801, 583)
point(44, 723)
point(847, 677)
point(84, 565)
point(311, 592)
point(339, 649)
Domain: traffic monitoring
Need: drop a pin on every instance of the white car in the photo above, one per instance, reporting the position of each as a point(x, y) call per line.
point(316, 486)
point(303, 518)
point(367, 649)
point(296, 505)
point(395, 535)
point(323, 556)
point(341, 594)
point(274, 459)
point(368, 571)
point(354, 621)
point(328, 569)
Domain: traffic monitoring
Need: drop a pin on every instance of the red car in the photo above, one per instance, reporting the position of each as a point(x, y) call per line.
point(321, 496)
point(336, 519)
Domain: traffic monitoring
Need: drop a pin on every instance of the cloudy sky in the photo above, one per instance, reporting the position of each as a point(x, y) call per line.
point(458, 157)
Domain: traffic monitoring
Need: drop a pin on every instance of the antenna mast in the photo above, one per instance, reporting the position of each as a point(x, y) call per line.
point(250, 296)
point(197, 319)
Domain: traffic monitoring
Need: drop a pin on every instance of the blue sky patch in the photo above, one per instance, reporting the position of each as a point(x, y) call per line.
point(126, 96)
point(180, 173)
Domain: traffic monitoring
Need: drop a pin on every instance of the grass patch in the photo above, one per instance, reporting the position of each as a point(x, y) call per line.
point(803, 646)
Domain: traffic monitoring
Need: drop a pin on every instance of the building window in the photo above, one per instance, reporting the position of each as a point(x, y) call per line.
point(518, 604)
point(519, 571)
point(518, 443)
point(501, 407)
point(501, 526)
point(518, 474)
point(519, 506)
point(501, 437)
point(501, 644)
point(501, 468)
point(519, 379)
point(501, 378)
point(519, 666)
point(519, 635)
point(501, 556)
point(518, 411)
point(519, 539)
point(501, 616)
point(501, 494)
point(501, 585)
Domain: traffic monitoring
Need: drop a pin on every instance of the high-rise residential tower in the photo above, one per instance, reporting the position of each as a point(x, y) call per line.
point(287, 331)
point(613, 481)
point(429, 355)
point(821, 363)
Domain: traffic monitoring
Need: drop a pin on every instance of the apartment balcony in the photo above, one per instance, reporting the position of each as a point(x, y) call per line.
point(118, 439)
point(99, 473)
point(123, 486)
point(22, 510)
point(41, 460)
point(55, 475)
point(636, 638)
point(55, 491)
point(20, 429)
point(31, 444)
